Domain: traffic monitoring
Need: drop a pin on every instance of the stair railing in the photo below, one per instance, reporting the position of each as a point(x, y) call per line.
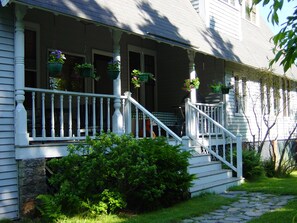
point(221, 143)
point(142, 123)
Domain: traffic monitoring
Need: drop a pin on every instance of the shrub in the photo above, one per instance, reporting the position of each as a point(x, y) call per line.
point(252, 167)
point(110, 171)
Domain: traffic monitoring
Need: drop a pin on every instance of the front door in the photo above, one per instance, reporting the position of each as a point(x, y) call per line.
point(144, 60)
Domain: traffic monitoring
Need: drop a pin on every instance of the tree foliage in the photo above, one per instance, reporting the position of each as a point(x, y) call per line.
point(285, 41)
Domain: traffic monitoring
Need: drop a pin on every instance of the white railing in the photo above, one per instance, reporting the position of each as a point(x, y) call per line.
point(142, 123)
point(63, 115)
point(221, 143)
point(215, 112)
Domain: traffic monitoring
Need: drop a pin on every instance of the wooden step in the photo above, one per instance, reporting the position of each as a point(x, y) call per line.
point(212, 176)
point(218, 186)
point(203, 167)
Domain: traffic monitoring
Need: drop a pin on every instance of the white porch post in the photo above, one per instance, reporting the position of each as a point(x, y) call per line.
point(192, 120)
point(117, 118)
point(192, 72)
point(21, 134)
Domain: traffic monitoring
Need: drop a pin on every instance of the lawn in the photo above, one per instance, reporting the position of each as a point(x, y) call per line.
point(279, 186)
point(194, 207)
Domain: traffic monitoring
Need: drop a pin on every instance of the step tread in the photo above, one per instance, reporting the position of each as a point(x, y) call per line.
point(204, 164)
point(212, 172)
point(213, 184)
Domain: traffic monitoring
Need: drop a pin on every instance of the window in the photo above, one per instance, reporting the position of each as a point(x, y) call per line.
point(276, 95)
point(240, 91)
point(286, 97)
point(230, 2)
point(30, 62)
point(250, 12)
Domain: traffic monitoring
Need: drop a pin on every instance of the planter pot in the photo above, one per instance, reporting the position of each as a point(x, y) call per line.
point(113, 74)
point(216, 89)
point(86, 72)
point(225, 90)
point(54, 68)
point(143, 77)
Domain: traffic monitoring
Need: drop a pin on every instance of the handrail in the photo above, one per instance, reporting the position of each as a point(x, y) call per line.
point(160, 124)
point(73, 93)
point(213, 121)
point(229, 139)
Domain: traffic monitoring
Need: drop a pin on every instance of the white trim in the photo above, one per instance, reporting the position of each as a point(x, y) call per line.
point(41, 151)
point(4, 2)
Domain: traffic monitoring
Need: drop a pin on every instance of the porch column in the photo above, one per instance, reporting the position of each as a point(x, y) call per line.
point(192, 72)
point(117, 118)
point(21, 134)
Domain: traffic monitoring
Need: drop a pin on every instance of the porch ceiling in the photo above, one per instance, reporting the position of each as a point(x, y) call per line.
point(171, 21)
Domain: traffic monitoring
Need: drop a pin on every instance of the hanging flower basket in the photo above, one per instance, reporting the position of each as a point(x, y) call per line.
point(113, 74)
point(86, 70)
point(54, 68)
point(113, 69)
point(139, 77)
point(216, 88)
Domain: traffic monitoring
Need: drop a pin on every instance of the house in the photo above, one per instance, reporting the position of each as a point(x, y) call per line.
point(40, 114)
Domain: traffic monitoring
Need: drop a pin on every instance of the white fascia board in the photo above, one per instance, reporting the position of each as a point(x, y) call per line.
point(4, 2)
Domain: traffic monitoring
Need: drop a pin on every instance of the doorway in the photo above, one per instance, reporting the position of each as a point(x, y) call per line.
point(143, 60)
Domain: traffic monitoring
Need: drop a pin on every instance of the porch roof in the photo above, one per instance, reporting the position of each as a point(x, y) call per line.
point(174, 22)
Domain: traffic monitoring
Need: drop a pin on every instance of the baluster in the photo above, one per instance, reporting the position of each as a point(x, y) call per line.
point(143, 125)
point(61, 116)
point(43, 114)
point(224, 146)
point(94, 116)
point(123, 112)
point(33, 116)
point(101, 114)
point(151, 127)
point(52, 115)
point(136, 123)
point(108, 115)
point(78, 116)
point(231, 152)
point(70, 115)
point(159, 130)
point(86, 116)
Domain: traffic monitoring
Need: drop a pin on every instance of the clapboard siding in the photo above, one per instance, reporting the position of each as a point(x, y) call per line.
point(8, 165)
point(237, 123)
point(224, 18)
point(195, 4)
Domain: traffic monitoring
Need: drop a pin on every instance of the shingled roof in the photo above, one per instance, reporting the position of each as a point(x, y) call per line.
point(172, 21)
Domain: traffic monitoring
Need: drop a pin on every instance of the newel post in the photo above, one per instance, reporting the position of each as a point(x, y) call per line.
point(127, 113)
point(117, 118)
point(239, 155)
point(21, 134)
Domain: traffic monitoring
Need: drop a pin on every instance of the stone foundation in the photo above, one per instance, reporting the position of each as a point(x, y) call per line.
point(32, 182)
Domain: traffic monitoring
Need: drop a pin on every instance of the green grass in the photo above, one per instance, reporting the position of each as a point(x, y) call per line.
point(278, 186)
point(194, 207)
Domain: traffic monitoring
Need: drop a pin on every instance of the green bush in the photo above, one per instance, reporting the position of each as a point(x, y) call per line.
point(252, 167)
point(109, 172)
point(269, 167)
